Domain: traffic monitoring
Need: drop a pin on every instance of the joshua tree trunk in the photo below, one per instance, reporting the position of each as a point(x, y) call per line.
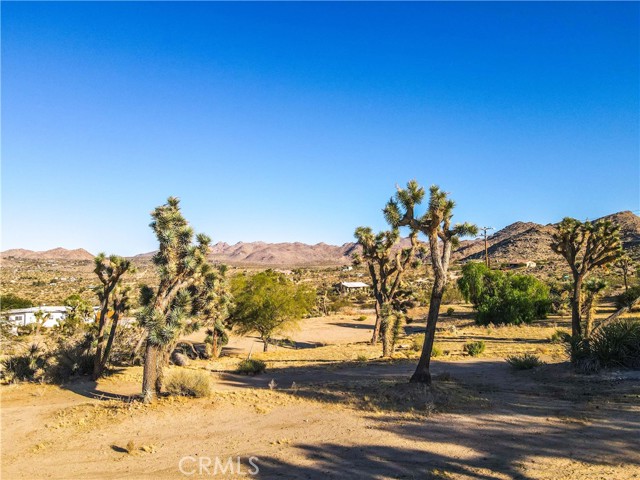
point(150, 372)
point(107, 349)
point(422, 373)
point(215, 351)
point(576, 307)
point(265, 344)
point(376, 326)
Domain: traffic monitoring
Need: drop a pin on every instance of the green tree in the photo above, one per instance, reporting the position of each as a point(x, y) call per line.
point(173, 306)
point(386, 268)
point(109, 272)
point(9, 301)
point(435, 223)
point(585, 246)
point(472, 282)
point(268, 303)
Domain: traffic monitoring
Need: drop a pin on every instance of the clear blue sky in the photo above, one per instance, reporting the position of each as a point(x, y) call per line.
point(294, 121)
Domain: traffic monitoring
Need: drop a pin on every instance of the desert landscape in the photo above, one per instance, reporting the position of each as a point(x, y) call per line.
point(320, 240)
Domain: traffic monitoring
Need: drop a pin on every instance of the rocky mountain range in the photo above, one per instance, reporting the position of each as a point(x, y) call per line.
point(518, 242)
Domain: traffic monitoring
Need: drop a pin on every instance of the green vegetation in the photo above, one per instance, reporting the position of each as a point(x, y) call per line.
point(251, 366)
point(268, 303)
point(474, 349)
point(614, 345)
point(502, 298)
point(9, 301)
point(186, 282)
point(526, 361)
point(435, 224)
point(585, 246)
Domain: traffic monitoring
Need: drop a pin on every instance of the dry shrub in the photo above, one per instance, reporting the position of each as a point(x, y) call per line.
point(189, 383)
point(251, 366)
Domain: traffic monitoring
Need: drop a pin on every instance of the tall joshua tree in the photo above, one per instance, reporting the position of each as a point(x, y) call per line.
point(185, 275)
point(386, 269)
point(109, 271)
point(435, 223)
point(585, 246)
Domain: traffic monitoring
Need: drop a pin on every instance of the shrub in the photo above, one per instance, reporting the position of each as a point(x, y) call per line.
point(9, 301)
point(73, 356)
point(451, 311)
point(625, 299)
point(188, 383)
point(436, 351)
point(362, 358)
point(512, 299)
point(361, 318)
point(417, 342)
point(616, 345)
point(526, 361)
point(27, 367)
point(452, 294)
point(251, 367)
point(474, 348)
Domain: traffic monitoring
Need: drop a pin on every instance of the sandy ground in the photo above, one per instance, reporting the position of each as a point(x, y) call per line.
point(333, 417)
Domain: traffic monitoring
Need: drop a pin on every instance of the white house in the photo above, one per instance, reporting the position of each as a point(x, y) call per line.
point(26, 316)
point(346, 287)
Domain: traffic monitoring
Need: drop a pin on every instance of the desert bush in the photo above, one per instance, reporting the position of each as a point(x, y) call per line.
point(189, 383)
point(526, 361)
point(73, 356)
point(474, 348)
point(417, 342)
point(450, 311)
point(616, 345)
point(9, 301)
point(27, 367)
point(362, 358)
point(361, 318)
point(625, 299)
point(436, 351)
point(501, 298)
point(251, 366)
point(452, 294)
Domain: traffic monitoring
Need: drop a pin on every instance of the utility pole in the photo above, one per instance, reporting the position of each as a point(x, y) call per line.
point(486, 245)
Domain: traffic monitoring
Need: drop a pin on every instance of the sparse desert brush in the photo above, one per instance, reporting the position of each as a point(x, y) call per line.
point(362, 358)
point(450, 311)
point(473, 349)
point(436, 351)
point(526, 361)
point(131, 447)
point(417, 342)
point(251, 366)
point(189, 383)
point(361, 318)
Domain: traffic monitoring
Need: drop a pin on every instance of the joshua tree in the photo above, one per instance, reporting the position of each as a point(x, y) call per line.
point(625, 265)
point(109, 272)
point(585, 246)
point(78, 310)
point(593, 287)
point(435, 223)
point(386, 269)
point(214, 304)
point(41, 318)
point(184, 276)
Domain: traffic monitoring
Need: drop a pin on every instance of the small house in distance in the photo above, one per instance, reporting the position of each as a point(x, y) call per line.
point(26, 316)
point(351, 287)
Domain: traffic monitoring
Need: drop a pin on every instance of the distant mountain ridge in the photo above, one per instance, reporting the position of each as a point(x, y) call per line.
point(520, 241)
point(53, 254)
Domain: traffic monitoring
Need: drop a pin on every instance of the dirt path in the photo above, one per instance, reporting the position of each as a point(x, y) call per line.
point(336, 422)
